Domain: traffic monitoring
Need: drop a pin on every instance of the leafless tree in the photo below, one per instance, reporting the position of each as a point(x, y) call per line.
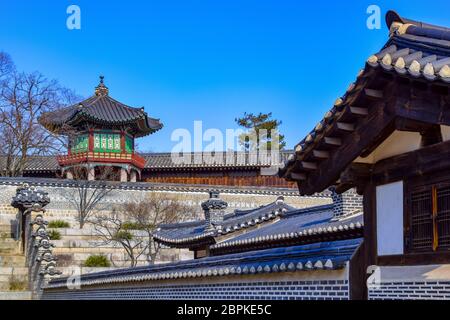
point(23, 98)
point(156, 209)
point(111, 229)
point(6, 65)
point(136, 223)
point(86, 196)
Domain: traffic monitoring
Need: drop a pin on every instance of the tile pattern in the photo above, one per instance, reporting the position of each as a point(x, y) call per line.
point(282, 290)
point(411, 290)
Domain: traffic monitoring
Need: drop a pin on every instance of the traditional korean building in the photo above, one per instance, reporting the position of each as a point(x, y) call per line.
point(272, 252)
point(237, 169)
point(388, 136)
point(101, 132)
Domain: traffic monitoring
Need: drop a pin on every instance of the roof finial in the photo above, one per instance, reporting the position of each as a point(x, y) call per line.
point(101, 89)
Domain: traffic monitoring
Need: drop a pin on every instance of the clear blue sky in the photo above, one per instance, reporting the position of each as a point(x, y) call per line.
point(208, 60)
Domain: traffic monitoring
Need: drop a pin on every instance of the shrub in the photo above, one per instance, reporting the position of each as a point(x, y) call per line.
point(54, 235)
point(16, 284)
point(58, 224)
point(123, 235)
point(97, 261)
point(130, 225)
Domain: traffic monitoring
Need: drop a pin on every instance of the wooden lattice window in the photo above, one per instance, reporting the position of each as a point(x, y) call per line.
point(429, 218)
point(443, 216)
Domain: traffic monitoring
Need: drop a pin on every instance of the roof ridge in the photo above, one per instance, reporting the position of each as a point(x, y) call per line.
point(392, 17)
point(401, 26)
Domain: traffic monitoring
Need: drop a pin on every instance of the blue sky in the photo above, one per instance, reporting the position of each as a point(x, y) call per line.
point(209, 60)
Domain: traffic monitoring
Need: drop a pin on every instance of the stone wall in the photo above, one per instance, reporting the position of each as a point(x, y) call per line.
point(347, 202)
point(420, 282)
point(237, 198)
point(76, 245)
point(313, 285)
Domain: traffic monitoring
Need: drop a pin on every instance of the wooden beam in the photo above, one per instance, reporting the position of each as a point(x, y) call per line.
point(333, 141)
point(345, 126)
point(403, 124)
point(377, 94)
point(359, 111)
point(434, 158)
point(351, 146)
point(321, 154)
point(309, 165)
point(424, 106)
point(355, 175)
point(298, 176)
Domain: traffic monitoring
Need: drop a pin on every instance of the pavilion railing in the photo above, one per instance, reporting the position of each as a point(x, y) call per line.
point(122, 157)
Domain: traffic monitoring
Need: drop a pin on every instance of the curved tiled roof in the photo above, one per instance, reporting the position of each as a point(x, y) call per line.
point(296, 225)
point(161, 161)
point(319, 256)
point(415, 50)
point(197, 233)
point(51, 182)
point(219, 159)
point(104, 110)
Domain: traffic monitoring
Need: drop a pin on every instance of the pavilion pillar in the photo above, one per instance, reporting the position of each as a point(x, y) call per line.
point(123, 175)
point(91, 174)
point(133, 176)
point(69, 175)
point(91, 140)
point(122, 141)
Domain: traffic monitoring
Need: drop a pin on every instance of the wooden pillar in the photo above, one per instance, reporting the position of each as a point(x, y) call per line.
point(91, 174)
point(123, 175)
point(122, 141)
point(133, 176)
point(91, 140)
point(370, 222)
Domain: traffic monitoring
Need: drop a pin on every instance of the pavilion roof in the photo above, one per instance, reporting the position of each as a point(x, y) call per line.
point(101, 109)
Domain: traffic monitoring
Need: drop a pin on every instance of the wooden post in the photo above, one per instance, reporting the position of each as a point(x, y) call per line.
point(434, 213)
point(91, 141)
point(122, 142)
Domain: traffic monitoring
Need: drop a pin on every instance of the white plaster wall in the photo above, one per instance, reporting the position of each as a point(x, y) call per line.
point(445, 130)
point(390, 218)
point(397, 143)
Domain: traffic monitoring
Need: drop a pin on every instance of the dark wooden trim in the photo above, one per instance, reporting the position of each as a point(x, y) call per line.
point(358, 274)
point(374, 127)
point(424, 106)
point(415, 259)
point(355, 175)
point(370, 224)
point(434, 158)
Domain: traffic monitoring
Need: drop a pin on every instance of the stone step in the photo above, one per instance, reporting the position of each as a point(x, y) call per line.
point(8, 240)
point(7, 278)
point(15, 295)
point(9, 251)
point(91, 250)
point(6, 285)
point(6, 228)
point(9, 247)
point(13, 270)
point(12, 261)
point(6, 235)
